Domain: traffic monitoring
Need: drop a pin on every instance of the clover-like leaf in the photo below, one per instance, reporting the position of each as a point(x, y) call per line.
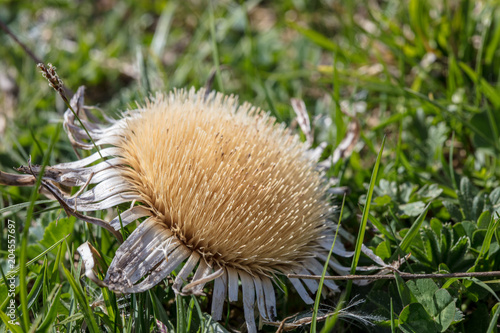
point(438, 303)
point(414, 319)
point(411, 209)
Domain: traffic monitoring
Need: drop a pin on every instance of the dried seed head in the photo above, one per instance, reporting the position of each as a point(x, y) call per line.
point(224, 189)
point(51, 75)
point(227, 181)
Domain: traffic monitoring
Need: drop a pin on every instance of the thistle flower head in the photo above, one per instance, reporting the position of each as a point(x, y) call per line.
point(224, 189)
point(228, 183)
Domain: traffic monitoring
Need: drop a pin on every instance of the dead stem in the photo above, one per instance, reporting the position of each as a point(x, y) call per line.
point(405, 276)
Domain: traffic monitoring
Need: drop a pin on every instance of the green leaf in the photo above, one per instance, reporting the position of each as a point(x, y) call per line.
point(317, 300)
point(382, 200)
point(414, 319)
point(435, 249)
point(493, 225)
point(422, 256)
point(444, 308)
point(459, 316)
point(438, 303)
point(36, 289)
point(411, 209)
point(494, 198)
point(383, 250)
point(70, 319)
point(55, 231)
point(466, 197)
point(429, 192)
point(23, 254)
point(181, 317)
point(465, 228)
point(458, 251)
point(455, 212)
point(423, 290)
point(159, 311)
point(436, 226)
point(484, 220)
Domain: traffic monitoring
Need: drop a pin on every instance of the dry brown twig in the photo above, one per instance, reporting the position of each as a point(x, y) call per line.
point(405, 276)
point(284, 326)
point(26, 49)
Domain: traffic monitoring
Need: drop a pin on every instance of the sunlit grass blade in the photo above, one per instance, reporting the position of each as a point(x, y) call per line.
point(325, 267)
point(492, 226)
point(364, 218)
point(414, 230)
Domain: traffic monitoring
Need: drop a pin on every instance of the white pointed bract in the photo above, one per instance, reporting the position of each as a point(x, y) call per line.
point(225, 190)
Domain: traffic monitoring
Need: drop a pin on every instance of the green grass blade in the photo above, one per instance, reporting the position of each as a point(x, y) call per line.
point(215, 50)
point(393, 329)
point(49, 319)
point(15, 208)
point(380, 227)
point(35, 290)
point(415, 228)
point(485, 286)
point(494, 319)
point(82, 301)
point(181, 317)
point(492, 226)
point(364, 218)
point(316, 37)
point(199, 312)
point(330, 321)
point(325, 267)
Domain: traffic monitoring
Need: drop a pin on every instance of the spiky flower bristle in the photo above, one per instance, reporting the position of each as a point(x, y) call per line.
point(226, 180)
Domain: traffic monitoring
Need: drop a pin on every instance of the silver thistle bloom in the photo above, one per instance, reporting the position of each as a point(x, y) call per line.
point(223, 189)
